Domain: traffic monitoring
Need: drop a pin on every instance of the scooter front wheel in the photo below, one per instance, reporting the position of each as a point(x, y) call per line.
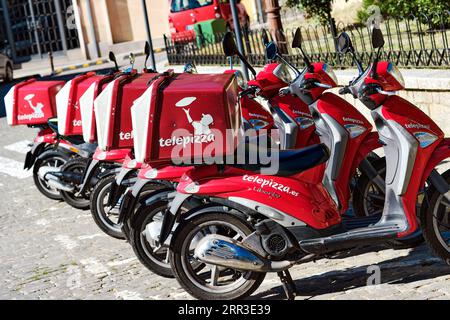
point(105, 217)
point(211, 282)
point(52, 159)
point(435, 221)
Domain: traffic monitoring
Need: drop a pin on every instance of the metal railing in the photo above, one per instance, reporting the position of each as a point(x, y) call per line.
point(414, 41)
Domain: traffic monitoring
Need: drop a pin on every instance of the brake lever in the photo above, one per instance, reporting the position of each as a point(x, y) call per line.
point(284, 92)
point(344, 90)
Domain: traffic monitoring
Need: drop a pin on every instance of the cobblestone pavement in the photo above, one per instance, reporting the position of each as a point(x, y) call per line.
point(51, 251)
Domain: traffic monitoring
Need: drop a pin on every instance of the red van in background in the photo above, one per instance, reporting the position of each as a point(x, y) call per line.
point(184, 14)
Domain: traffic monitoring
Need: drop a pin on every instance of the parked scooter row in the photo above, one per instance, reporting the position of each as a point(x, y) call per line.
point(220, 226)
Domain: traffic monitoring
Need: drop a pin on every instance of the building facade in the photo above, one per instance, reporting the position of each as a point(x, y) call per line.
point(83, 28)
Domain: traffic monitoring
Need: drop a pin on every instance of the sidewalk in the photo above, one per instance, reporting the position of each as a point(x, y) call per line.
point(62, 65)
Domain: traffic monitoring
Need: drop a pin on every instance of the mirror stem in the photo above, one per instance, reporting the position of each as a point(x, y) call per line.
point(375, 64)
point(244, 61)
point(357, 62)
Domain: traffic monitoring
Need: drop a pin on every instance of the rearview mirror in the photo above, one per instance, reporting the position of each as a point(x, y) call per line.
point(297, 41)
point(229, 45)
point(377, 38)
point(190, 68)
point(344, 43)
point(271, 51)
point(112, 58)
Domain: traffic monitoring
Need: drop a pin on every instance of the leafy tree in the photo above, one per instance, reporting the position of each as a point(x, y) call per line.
point(320, 9)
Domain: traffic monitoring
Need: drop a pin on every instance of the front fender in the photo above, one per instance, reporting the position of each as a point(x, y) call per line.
point(441, 153)
point(370, 143)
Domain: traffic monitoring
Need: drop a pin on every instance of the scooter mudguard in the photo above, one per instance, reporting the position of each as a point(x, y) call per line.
point(31, 155)
point(441, 153)
point(88, 173)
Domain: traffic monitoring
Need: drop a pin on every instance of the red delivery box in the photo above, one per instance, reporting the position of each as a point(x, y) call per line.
point(187, 118)
point(68, 103)
point(87, 108)
point(32, 102)
point(112, 110)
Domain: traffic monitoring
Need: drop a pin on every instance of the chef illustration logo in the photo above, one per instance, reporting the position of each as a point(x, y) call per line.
point(37, 109)
point(201, 127)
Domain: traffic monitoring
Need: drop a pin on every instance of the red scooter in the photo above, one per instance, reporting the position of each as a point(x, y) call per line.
point(254, 224)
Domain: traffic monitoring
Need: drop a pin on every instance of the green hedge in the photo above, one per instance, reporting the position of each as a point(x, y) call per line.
point(396, 8)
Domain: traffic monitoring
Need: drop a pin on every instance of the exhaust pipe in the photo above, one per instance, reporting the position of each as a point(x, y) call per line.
point(227, 252)
point(49, 174)
point(60, 186)
point(43, 171)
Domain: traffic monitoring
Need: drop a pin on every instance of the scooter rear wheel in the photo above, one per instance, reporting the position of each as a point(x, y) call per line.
point(211, 282)
point(53, 159)
point(81, 202)
point(143, 248)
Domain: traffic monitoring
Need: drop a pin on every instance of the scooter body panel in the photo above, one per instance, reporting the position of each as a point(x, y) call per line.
point(410, 138)
point(344, 130)
point(290, 199)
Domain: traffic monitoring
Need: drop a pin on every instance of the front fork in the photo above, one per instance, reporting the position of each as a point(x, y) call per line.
point(171, 216)
point(118, 188)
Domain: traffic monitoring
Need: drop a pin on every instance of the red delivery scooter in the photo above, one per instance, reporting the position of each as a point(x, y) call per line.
point(247, 234)
point(32, 103)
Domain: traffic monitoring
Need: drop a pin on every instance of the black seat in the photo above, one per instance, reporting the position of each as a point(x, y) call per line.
point(291, 162)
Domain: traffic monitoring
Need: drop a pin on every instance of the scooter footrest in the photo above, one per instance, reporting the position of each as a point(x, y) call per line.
point(354, 238)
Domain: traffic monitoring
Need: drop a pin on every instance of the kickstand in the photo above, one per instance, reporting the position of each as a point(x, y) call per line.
point(288, 284)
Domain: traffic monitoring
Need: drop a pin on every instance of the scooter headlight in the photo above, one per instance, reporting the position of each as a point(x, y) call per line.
point(396, 74)
point(240, 79)
point(425, 139)
point(355, 130)
point(192, 188)
point(283, 73)
point(330, 72)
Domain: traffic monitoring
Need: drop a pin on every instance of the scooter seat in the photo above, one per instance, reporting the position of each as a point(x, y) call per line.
point(291, 162)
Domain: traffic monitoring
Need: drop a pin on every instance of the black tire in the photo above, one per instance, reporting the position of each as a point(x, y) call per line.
point(142, 248)
point(9, 73)
point(53, 158)
point(182, 267)
point(432, 211)
point(77, 165)
point(362, 203)
point(98, 210)
point(148, 190)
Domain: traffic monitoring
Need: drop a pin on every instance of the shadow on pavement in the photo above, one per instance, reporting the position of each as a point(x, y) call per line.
point(418, 265)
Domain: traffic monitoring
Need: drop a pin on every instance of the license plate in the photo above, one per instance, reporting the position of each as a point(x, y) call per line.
point(190, 27)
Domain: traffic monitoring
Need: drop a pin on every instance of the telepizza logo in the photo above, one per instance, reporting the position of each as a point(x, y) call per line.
point(271, 184)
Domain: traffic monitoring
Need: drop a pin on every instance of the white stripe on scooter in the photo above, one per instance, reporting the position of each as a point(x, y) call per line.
point(20, 146)
point(13, 168)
